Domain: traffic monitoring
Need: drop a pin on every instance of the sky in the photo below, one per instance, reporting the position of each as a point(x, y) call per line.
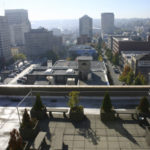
point(74, 9)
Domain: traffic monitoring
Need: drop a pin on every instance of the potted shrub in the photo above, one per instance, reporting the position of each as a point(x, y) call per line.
point(28, 126)
point(16, 142)
point(106, 111)
point(38, 110)
point(76, 111)
point(143, 107)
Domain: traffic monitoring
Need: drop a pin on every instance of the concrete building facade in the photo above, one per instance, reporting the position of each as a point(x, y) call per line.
point(5, 51)
point(38, 42)
point(127, 44)
point(107, 23)
point(18, 24)
point(85, 26)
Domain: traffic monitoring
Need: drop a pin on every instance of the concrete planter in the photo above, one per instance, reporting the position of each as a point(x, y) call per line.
point(76, 114)
point(107, 116)
point(24, 148)
point(39, 115)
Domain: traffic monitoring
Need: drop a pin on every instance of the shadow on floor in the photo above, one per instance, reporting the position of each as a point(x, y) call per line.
point(86, 130)
point(117, 125)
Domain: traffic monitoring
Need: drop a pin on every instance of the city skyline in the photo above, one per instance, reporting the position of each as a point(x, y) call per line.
point(48, 9)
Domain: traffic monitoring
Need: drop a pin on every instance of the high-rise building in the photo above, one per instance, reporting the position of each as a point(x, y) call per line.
point(107, 23)
point(5, 52)
point(85, 26)
point(18, 24)
point(38, 42)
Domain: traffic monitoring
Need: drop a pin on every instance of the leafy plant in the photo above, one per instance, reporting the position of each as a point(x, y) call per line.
point(144, 105)
point(76, 111)
point(74, 99)
point(16, 141)
point(106, 103)
point(140, 80)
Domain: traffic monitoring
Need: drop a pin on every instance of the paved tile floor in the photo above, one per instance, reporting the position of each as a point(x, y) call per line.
point(93, 134)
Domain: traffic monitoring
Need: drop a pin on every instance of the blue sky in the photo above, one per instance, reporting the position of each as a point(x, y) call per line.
point(73, 9)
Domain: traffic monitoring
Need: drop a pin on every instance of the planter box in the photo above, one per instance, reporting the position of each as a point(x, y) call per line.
point(107, 116)
point(29, 133)
point(25, 146)
point(76, 115)
point(39, 115)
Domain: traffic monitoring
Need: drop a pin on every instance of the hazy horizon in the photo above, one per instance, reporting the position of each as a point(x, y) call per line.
point(74, 9)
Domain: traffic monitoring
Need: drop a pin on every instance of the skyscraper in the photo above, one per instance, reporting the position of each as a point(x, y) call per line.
point(5, 52)
point(85, 26)
point(107, 23)
point(18, 24)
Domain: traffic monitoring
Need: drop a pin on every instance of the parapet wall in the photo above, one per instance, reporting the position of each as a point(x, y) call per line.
point(131, 91)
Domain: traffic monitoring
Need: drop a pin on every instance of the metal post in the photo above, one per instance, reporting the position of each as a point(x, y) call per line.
point(18, 115)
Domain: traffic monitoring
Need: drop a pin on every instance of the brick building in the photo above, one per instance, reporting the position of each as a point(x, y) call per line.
point(127, 44)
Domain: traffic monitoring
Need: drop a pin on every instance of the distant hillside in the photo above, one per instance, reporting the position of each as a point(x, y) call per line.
point(73, 24)
point(70, 24)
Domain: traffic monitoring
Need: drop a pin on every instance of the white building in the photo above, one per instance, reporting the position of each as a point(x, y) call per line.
point(85, 26)
point(5, 52)
point(107, 23)
point(18, 24)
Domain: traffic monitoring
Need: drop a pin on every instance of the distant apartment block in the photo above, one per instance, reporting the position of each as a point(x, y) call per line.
point(83, 39)
point(85, 26)
point(139, 61)
point(107, 23)
point(18, 24)
point(39, 41)
point(127, 44)
point(5, 52)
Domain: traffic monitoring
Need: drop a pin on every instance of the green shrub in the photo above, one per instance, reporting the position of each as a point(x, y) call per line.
point(74, 99)
point(27, 122)
point(76, 111)
point(106, 103)
point(144, 105)
point(38, 105)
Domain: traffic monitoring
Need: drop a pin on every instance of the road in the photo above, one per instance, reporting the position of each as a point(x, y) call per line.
point(24, 72)
point(114, 76)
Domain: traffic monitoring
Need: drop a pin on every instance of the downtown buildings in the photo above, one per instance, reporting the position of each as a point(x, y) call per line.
point(107, 24)
point(85, 30)
point(5, 53)
point(19, 24)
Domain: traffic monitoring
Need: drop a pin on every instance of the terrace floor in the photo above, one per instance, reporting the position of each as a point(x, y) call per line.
point(93, 134)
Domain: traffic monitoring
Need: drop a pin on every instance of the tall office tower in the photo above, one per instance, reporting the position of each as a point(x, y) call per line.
point(38, 42)
point(107, 23)
point(5, 52)
point(18, 24)
point(85, 26)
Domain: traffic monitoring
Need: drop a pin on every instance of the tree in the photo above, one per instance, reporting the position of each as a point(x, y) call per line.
point(124, 76)
point(26, 120)
point(100, 58)
point(130, 78)
point(144, 105)
point(38, 103)
point(74, 99)
point(20, 56)
point(51, 55)
point(140, 80)
point(106, 103)
point(115, 59)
